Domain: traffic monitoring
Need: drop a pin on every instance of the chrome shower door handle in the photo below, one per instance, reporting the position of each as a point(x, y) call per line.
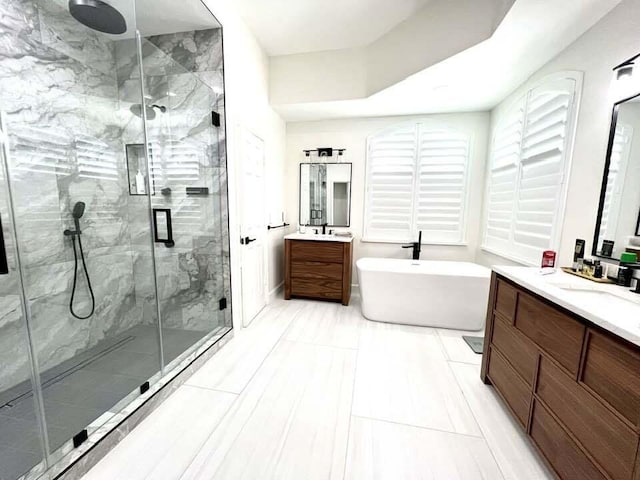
point(4, 265)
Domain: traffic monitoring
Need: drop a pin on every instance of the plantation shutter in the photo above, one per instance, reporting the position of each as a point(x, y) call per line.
point(441, 190)
point(417, 180)
point(542, 173)
point(390, 185)
point(527, 176)
point(503, 176)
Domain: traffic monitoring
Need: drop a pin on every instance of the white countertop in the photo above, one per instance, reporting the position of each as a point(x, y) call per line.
point(318, 237)
point(612, 307)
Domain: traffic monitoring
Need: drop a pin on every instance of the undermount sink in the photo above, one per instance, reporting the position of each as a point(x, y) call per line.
point(600, 295)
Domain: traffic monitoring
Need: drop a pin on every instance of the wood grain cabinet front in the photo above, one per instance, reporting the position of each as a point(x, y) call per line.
point(513, 389)
point(612, 370)
point(552, 330)
point(563, 454)
point(600, 431)
point(573, 387)
point(318, 270)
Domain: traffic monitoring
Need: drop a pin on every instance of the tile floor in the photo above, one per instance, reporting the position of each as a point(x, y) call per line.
point(312, 390)
point(75, 399)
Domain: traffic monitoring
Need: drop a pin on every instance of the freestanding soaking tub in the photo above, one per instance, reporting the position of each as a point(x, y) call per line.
point(426, 293)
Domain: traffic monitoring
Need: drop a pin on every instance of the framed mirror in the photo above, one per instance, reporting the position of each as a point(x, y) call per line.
point(325, 194)
point(618, 222)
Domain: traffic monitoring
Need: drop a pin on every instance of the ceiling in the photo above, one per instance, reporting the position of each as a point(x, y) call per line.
point(285, 27)
point(478, 78)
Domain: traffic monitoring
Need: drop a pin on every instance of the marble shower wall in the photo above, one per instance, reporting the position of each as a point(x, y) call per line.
point(65, 123)
point(183, 72)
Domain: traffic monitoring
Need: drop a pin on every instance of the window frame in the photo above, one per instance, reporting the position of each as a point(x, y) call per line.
point(570, 139)
point(421, 125)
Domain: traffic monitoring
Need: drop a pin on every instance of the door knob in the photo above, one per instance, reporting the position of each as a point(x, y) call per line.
point(248, 240)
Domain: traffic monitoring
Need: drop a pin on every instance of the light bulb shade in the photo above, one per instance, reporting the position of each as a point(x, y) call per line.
point(624, 71)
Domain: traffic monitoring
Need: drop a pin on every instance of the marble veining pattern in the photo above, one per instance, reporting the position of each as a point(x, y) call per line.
point(68, 119)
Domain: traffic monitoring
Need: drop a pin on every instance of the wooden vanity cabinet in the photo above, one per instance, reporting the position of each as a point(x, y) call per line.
point(573, 387)
point(318, 269)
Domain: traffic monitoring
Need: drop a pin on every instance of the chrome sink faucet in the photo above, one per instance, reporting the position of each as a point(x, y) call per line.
point(416, 246)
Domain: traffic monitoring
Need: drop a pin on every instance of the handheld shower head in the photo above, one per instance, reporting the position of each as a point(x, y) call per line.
point(78, 210)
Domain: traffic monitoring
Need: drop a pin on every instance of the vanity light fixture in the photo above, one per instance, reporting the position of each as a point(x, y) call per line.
point(625, 79)
point(324, 151)
point(624, 71)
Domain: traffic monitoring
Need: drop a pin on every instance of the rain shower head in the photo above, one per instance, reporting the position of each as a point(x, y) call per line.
point(136, 109)
point(98, 15)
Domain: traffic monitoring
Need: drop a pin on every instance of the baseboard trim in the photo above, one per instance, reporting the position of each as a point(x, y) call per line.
point(275, 293)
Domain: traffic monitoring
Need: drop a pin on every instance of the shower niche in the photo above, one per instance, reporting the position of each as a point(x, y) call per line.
point(137, 171)
point(94, 308)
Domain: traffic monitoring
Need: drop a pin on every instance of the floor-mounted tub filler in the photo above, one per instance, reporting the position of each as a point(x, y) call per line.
point(425, 293)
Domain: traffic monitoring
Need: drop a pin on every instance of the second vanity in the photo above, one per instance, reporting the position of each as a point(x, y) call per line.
point(318, 267)
point(564, 355)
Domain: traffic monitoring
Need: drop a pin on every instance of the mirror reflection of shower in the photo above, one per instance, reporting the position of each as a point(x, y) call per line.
point(77, 213)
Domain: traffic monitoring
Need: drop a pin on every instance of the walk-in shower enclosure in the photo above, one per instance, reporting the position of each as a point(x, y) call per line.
point(131, 125)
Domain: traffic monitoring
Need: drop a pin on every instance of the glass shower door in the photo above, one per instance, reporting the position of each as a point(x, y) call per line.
point(188, 179)
point(117, 182)
point(21, 440)
point(84, 238)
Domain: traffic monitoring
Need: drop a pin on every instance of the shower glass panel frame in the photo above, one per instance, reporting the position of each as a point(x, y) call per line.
point(80, 100)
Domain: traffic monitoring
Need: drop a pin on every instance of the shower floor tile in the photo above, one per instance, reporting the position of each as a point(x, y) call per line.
point(77, 395)
point(14, 463)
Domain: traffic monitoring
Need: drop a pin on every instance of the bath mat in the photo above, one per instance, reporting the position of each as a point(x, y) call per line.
point(476, 343)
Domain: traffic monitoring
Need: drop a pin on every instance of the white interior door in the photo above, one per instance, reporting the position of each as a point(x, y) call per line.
point(253, 227)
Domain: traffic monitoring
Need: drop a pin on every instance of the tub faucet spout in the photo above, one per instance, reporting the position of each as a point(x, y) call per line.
point(416, 246)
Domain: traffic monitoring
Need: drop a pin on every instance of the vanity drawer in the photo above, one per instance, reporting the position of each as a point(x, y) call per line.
point(609, 441)
point(552, 330)
point(314, 288)
point(316, 270)
point(520, 351)
point(513, 389)
point(506, 300)
point(569, 462)
point(612, 370)
point(330, 252)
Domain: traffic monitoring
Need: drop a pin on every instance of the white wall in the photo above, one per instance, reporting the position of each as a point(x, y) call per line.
point(247, 106)
point(607, 44)
point(352, 134)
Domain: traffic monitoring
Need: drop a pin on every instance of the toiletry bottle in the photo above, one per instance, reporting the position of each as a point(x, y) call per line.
point(624, 271)
point(548, 259)
point(597, 270)
point(578, 255)
point(140, 183)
